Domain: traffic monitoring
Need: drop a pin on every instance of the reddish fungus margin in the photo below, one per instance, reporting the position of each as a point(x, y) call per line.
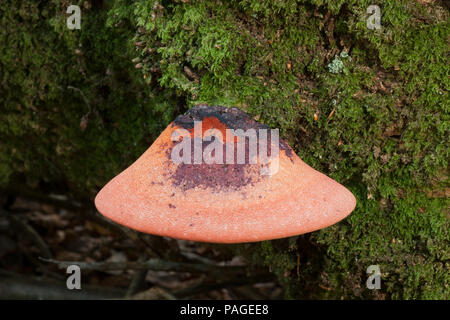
point(225, 203)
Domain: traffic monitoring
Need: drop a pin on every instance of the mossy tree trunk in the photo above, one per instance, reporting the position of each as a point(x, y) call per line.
point(370, 108)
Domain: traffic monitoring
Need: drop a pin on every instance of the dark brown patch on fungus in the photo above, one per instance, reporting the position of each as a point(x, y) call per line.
point(216, 176)
point(220, 176)
point(232, 118)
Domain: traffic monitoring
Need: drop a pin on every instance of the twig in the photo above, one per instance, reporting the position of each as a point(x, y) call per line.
point(232, 282)
point(89, 212)
point(18, 286)
point(155, 265)
point(154, 293)
point(248, 293)
point(191, 256)
point(331, 115)
point(93, 215)
point(31, 233)
point(56, 200)
point(157, 247)
point(86, 101)
point(138, 278)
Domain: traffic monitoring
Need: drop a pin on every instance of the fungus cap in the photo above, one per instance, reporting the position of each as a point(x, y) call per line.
point(222, 202)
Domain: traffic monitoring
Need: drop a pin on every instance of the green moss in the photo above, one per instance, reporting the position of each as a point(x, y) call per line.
point(74, 110)
point(382, 123)
point(381, 129)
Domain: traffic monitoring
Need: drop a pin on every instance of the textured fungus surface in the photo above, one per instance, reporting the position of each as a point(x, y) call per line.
point(220, 176)
point(215, 176)
point(222, 202)
point(229, 118)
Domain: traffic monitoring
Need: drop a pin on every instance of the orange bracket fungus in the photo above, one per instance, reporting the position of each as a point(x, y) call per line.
point(216, 175)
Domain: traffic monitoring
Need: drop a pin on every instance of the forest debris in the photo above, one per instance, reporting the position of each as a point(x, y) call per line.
point(84, 122)
point(288, 66)
point(331, 114)
point(391, 130)
point(152, 264)
point(325, 288)
point(154, 293)
point(191, 75)
point(18, 286)
point(32, 234)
